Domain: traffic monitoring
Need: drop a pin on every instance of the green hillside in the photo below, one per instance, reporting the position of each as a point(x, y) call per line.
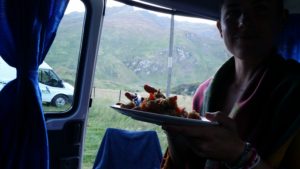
point(134, 50)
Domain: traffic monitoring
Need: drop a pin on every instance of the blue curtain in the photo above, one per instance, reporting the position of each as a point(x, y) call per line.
point(290, 41)
point(27, 30)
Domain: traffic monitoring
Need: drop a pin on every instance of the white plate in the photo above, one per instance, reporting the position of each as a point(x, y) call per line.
point(161, 119)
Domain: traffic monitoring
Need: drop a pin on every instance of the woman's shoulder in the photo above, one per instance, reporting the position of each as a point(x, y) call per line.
point(199, 94)
point(292, 66)
point(286, 69)
point(202, 87)
point(284, 78)
point(288, 64)
point(204, 84)
point(292, 72)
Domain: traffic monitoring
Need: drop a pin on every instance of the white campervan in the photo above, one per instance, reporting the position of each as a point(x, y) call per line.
point(54, 91)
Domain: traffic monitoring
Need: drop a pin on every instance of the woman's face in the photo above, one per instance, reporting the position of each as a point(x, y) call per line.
point(250, 27)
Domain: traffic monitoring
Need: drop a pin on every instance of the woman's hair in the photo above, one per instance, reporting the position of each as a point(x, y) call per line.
point(280, 5)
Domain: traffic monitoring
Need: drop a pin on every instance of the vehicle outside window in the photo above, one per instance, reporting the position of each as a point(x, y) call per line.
point(55, 91)
point(57, 75)
point(63, 59)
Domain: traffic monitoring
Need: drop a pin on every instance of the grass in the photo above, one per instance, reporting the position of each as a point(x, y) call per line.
point(51, 109)
point(101, 117)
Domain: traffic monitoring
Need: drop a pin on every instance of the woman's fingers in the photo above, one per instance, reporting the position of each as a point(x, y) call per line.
point(218, 141)
point(222, 119)
point(188, 131)
point(225, 123)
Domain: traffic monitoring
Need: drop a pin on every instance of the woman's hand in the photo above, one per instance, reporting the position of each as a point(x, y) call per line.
point(219, 142)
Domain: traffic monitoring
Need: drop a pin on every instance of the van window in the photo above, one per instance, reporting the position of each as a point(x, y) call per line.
point(58, 77)
point(134, 50)
point(57, 74)
point(48, 77)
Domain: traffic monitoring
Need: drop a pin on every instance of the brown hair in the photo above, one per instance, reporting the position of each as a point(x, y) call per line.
point(280, 5)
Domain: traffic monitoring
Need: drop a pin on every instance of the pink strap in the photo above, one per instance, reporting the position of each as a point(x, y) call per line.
point(199, 95)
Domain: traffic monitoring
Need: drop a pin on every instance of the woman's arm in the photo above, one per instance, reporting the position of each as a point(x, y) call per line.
point(180, 153)
point(292, 155)
point(221, 142)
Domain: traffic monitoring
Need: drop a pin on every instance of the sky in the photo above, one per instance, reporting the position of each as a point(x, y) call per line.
point(77, 5)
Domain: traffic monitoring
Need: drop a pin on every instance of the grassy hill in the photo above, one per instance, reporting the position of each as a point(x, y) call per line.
point(134, 50)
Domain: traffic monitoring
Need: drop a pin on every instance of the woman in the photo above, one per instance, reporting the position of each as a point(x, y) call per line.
point(252, 97)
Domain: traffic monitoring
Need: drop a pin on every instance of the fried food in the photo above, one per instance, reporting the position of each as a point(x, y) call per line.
point(157, 102)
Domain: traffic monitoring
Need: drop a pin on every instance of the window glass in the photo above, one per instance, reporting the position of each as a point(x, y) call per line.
point(57, 74)
point(48, 77)
point(7, 73)
point(134, 50)
point(198, 52)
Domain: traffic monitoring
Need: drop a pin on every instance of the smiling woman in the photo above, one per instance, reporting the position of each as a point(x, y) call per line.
point(248, 96)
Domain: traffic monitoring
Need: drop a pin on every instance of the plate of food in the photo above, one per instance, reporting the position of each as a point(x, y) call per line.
point(160, 119)
point(159, 109)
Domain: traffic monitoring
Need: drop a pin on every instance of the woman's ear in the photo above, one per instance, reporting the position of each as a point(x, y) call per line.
point(219, 28)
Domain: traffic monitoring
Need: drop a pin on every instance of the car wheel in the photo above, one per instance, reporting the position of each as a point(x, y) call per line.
point(59, 100)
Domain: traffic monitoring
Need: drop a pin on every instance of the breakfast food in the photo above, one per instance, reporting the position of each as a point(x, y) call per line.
point(156, 102)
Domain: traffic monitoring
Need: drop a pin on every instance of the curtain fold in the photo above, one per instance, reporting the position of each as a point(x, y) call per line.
point(289, 44)
point(28, 28)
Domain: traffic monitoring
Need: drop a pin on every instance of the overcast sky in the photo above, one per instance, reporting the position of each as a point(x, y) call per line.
point(77, 5)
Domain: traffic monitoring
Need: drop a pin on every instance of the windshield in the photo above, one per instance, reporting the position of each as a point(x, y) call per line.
point(48, 77)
